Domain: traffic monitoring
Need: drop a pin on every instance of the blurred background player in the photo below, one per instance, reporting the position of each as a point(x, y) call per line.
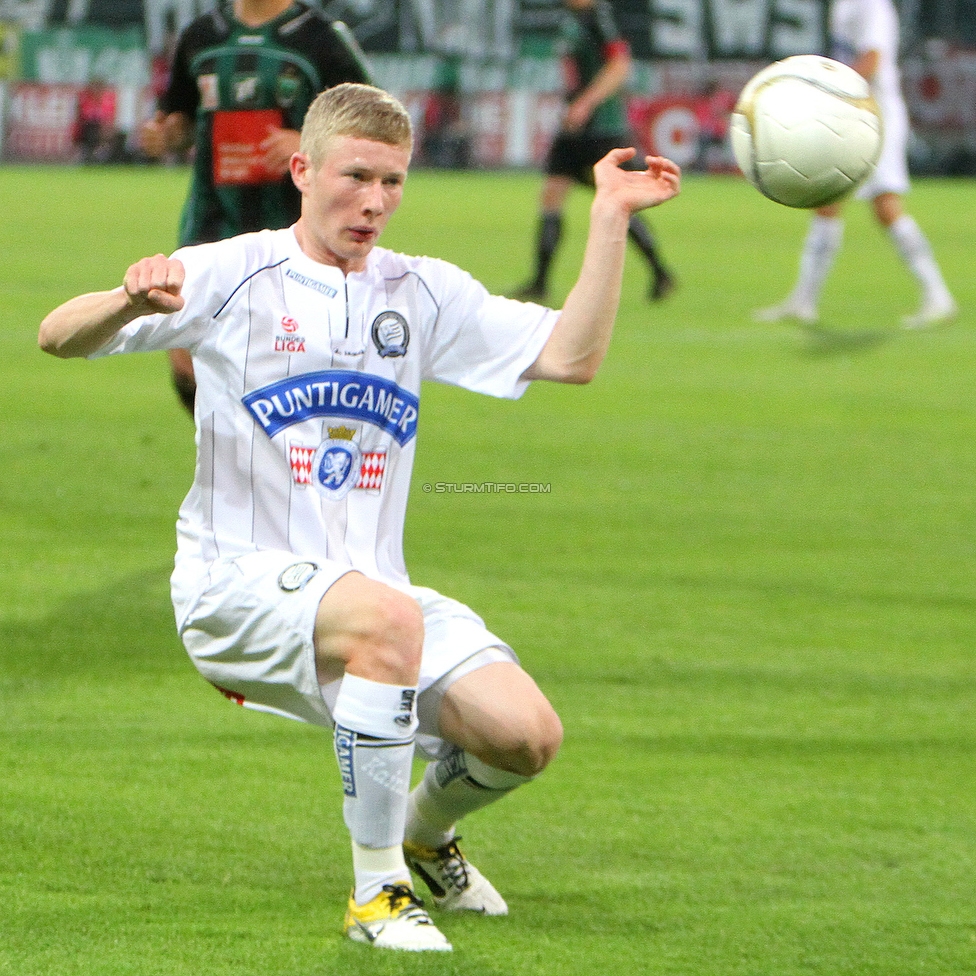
point(242, 79)
point(597, 65)
point(98, 138)
point(865, 35)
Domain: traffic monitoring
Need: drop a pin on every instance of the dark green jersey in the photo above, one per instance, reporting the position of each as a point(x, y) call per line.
point(235, 82)
point(589, 39)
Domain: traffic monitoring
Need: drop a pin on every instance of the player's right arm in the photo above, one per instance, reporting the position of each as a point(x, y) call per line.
point(82, 325)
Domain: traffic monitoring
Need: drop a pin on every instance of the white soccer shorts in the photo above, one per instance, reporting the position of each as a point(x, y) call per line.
point(249, 631)
point(891, 172)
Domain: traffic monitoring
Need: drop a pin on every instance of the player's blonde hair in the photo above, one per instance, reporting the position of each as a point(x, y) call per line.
point(361, 111)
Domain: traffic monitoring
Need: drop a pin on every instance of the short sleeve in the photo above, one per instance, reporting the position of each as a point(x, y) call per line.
point(484, 342)
point(179, 330)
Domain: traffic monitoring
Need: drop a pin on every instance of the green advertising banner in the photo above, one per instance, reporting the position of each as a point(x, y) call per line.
point(78, 54)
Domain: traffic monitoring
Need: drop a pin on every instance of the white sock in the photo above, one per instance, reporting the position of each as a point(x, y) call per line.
point(450, 789)
point(375, 867)
point(914, 249)
point(374, 740)
point(820, 248)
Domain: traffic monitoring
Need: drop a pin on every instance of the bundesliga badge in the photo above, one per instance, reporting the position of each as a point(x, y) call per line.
point(336, 465)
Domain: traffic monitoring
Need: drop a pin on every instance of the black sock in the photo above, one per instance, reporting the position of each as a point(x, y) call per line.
point(641, 235)
point(550, 231)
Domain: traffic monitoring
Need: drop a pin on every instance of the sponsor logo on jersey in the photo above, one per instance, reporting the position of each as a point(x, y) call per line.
point(338, 393)
point(320, 286)
point(391, 334)
point(344, 742)
point(296, 576)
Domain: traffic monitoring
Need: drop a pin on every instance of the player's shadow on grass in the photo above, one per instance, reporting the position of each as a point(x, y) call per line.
point(125, 627)
point(823, 341)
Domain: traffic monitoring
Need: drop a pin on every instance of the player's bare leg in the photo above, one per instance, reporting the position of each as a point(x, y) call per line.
point(372, 635)
point(937, 304)
point(823, 241)
point(505, 733)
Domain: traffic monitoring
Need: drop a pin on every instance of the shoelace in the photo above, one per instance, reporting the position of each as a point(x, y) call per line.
point(453, 865)
point(413, 908)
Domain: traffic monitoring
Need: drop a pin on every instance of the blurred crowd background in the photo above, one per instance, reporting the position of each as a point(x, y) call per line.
point(481, 77)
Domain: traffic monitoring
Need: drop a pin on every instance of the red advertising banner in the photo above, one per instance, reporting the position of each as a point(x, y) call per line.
point(40, 122)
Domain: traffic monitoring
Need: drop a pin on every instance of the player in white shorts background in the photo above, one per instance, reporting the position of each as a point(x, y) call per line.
point(310, 345)
point(865, 35)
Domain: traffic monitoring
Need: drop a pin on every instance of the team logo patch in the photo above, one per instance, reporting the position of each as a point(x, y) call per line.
point(372, 467)
point(296, 576)
point(335, 467)
point(287, 86)
point(372, 470)
point(391, 334)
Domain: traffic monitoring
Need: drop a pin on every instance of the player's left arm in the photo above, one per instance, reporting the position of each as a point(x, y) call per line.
point(581, 336)
point(611, 77)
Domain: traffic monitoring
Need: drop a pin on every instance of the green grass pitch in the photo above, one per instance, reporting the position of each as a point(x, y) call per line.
point(748, 589)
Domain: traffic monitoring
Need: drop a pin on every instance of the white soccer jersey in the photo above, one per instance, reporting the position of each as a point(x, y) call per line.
point(857, 26)
point(308, 391)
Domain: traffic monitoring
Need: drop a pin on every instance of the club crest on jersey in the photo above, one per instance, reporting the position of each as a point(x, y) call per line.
point(372, 466)
point(391, 334)
point(296, 576)
point(335, 467)
point(336, 393)
point(287, 86)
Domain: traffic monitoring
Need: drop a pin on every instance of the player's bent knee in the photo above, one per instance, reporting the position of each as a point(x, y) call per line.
point(549, 738)
point(532, 744)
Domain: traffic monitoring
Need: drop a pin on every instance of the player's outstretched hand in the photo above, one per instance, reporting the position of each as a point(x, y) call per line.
point(636, 189)
point(154, 285)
